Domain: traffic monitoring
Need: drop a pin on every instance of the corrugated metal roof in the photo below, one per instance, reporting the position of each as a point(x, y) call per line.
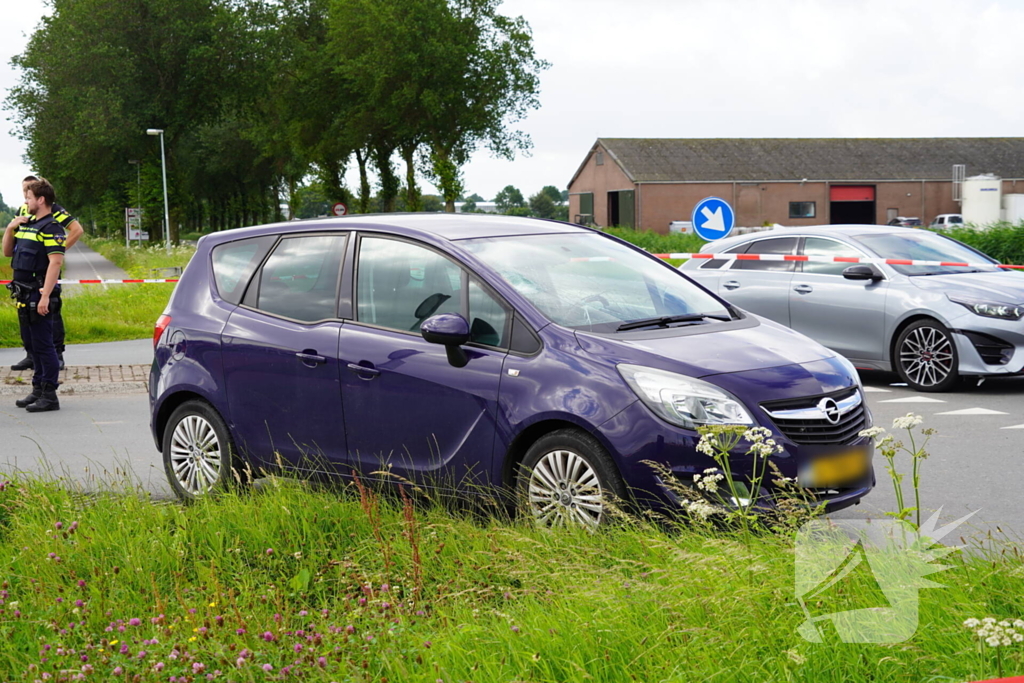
point(835, 159)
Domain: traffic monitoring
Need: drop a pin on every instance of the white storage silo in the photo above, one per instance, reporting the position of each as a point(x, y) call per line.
point(982, 199)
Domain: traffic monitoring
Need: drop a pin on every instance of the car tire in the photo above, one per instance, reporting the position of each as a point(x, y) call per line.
point(567, 478)
point(199, 456)
point(926, 357)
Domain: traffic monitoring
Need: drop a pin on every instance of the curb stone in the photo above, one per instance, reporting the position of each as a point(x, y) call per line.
point(83, 379)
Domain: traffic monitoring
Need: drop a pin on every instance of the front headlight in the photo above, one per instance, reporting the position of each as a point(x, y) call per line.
point(684, 401)
point(990, 309)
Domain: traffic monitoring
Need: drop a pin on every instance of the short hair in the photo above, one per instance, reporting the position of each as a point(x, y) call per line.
point(29, 179)
point(42, 189)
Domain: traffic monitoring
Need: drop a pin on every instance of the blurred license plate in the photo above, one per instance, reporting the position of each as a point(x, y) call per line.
point(835, 467)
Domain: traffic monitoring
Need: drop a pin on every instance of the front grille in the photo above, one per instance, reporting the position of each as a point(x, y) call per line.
point(803, 422)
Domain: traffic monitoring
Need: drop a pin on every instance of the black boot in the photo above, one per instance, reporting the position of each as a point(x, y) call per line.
point(47, 401)
point(36, 394)
point(24, 364)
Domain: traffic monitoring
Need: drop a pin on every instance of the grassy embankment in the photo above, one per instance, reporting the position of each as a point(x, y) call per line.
point(98, 313)
point(297, 584)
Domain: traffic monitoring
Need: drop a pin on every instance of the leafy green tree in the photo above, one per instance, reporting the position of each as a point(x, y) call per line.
point(469, 207)
point(542, 206)
point(475, 198)
point(509, 198)
point(98, 73)
point(553, 192)
point(448, 74)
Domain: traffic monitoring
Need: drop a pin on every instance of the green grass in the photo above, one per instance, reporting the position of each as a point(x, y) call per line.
point(94, 313)
point(288, 575)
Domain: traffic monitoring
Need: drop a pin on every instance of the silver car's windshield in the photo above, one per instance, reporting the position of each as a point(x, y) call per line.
point(926, 246)
point(589, 282)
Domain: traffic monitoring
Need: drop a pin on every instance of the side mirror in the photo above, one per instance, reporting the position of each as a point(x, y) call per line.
point(862, 272)
point(450, 330)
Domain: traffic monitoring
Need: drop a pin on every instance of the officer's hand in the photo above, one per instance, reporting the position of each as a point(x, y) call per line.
point(43, 307)
point(18, 220)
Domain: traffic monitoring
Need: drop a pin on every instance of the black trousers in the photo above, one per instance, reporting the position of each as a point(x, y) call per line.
point(44, 355)
point(58, 329)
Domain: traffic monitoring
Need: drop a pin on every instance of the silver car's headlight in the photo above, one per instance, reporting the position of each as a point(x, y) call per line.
point(990, 309)
point(684, 401)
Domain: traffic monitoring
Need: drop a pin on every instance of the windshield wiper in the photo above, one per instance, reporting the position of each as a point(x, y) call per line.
point(952, 272)
point(666, 320)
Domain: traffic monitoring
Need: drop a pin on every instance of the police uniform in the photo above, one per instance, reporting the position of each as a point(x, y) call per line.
point(34, 243)
point(64, 219)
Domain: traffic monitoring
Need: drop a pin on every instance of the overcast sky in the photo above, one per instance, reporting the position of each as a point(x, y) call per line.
point(724, 68)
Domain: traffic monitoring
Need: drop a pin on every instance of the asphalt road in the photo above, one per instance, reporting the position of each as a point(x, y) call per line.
point(975, 461)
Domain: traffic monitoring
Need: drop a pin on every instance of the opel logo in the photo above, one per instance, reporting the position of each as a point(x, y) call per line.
point(830, 409)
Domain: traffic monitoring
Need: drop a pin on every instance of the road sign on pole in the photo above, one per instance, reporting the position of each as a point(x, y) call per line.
point(339, 209)
point(713, 218)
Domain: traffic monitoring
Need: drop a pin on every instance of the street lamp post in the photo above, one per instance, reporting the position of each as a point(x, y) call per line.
point(167, 209)
point(138, 194)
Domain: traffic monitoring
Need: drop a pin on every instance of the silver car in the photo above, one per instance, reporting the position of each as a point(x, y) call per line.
point(932, 324)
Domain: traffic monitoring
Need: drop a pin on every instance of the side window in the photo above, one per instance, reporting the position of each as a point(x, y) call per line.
point(399, 285)
point(487, 317)
point(713, 264)
point(817, 246)
point(235, 262)
point(775, 245)
point(300, 279)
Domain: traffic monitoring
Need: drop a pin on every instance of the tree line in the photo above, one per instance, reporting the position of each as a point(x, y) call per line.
point(263, 101)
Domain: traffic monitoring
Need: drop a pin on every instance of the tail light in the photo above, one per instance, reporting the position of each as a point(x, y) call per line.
point(161, 324)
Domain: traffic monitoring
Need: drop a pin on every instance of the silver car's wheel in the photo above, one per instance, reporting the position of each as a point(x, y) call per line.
point(926, 356)
point(195, 455)
point(569, 480)
point(197, 450)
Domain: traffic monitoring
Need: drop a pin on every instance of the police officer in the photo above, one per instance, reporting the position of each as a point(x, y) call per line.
point(37, 245)
point(73, 230)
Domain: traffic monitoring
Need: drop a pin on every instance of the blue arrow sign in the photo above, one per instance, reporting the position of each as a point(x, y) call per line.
point(713, 218)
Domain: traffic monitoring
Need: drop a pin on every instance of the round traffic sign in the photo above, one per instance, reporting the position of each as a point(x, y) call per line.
point(339, 209)
point(713, 218)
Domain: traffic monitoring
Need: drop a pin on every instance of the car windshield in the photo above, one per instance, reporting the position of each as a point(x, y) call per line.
point(590, 282)
point(926, 246)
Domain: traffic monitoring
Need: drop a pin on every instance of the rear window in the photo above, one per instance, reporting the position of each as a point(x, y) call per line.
point(235, 262)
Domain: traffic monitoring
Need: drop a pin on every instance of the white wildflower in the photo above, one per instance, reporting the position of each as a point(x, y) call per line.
point(706, 445)
point(709, 480)
point(702, 509)
point(908, 421)
point(871, 432)
point(997, 633)
point(796, 656)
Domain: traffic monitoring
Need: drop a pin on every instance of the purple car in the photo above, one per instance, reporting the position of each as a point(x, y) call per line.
point(480, 353)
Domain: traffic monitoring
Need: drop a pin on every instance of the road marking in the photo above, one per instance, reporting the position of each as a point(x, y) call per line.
point(913, 399)
point(1013, 427)
point(871, 390)
point(973, 411)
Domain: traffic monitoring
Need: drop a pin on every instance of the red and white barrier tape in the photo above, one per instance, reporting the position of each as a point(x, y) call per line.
point(101, 282)
point(825, 259)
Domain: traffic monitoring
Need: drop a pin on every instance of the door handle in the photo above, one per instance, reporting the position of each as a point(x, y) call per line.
point(731, 284)
point(310, 358)
point(363, 370)
point(803, 289)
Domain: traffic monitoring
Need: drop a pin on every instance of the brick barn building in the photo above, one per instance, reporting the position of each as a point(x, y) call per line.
point(647, 183)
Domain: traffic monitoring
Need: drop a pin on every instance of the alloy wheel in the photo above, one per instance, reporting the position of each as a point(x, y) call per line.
point(927, 356)
point(565, 490)
point(195, 455)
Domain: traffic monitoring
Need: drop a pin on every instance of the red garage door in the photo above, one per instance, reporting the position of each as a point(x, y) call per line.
point(852, 193)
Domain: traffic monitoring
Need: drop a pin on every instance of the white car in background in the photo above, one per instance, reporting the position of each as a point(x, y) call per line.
point(947, 220)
